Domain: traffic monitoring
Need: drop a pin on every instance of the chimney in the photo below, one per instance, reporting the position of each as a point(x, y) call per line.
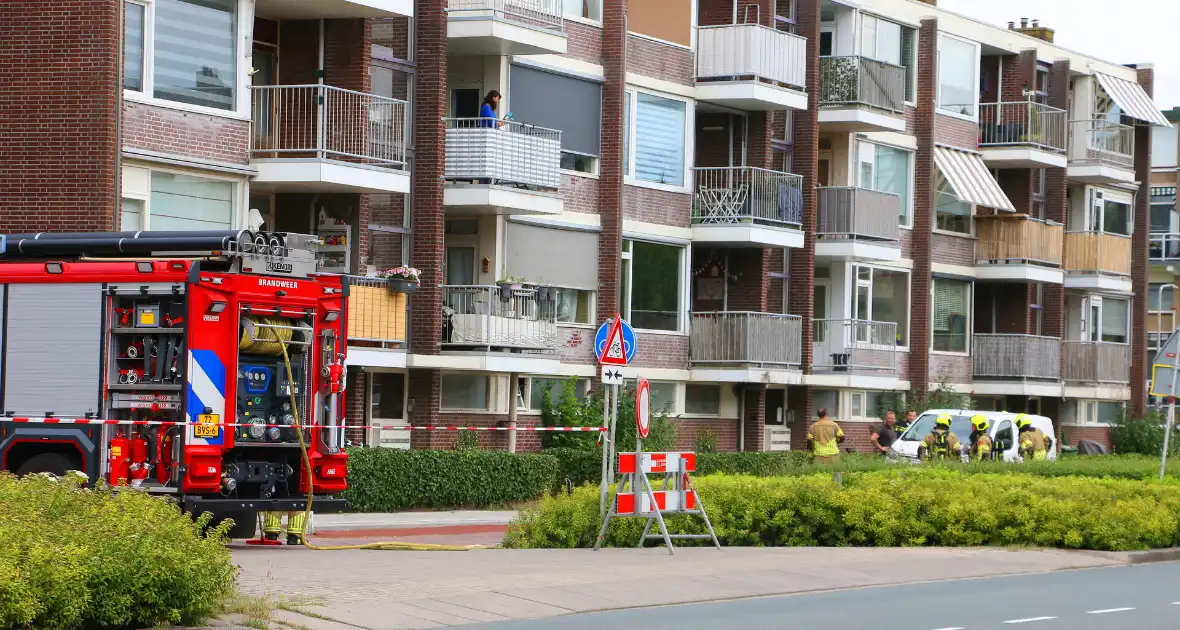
point(1034, 30)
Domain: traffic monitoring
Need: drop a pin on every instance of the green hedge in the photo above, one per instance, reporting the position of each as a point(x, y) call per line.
point(902, 507)
point(74, 558)
point(387, 480)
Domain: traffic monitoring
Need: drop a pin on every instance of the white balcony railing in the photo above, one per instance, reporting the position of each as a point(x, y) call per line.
point(859, 214)
point(1023, 123)
point(1101, 142)
point(376, 314)
point(543, 14)
point(327, 123)
point(852, 345)
point(1096, 362)
point(489, 151)
point(1164, 246)
point(738, 194)
point(739, 52)
point(497, 318)
point(745, 338)
point(853, 81)
point(1016, 357)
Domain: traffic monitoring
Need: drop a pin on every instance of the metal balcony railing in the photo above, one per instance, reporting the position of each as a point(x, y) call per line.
point(746, 338)
point(327, 123)
point(1098, 253)
point(741, 52)
point(1096, 362)
point(543, 14)
point(376, 314)
point(1164, 246)
point(490, 151)
point(853, 81)
point(1023, 123)
point(859, 214)
point(738, 194)
point(490, 317)
point(853, 345)
point(1016, 357)
point(1101, 142)
point(1017, 239)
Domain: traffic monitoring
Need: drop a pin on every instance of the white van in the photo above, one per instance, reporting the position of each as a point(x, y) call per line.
point(1002, 431)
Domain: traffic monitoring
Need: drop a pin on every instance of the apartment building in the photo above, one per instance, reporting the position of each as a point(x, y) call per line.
point(1164, 226)
point(796, 203)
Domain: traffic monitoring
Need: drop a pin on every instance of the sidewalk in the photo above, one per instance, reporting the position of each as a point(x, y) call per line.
point(408, 520)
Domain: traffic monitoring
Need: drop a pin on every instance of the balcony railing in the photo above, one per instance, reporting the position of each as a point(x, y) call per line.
point(1024, 123)
point(1005, 239)
point(739, 52)
point(375, 314)
point(328, 123)
point(1102, 142)
point(744, 338)
point(1098, 253)
point(1016, 357)
point(497, 318)
point(1096, 362)
point(851, 345)
point(740, 194)
point(858, 213)
point(544, 14)
point(1164, 246)
point(488, 151)
point(853, 81)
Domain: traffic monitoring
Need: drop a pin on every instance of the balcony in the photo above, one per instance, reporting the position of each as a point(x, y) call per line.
point(730, 346)
point(318, 138)
point(505, 27)
point(330, 9)
point(501, 167)
point(1016, 364)
point(861, 94)
point(1022, 135)
point(1096, 362)
point(855, 346)
point(1098, 261)
point(1101, 152)
point(376, 323)
point(751, 67)
point(746, 206)
point(1164, 247)
point(497, 318)
point(857, 223)
point(1018, 248)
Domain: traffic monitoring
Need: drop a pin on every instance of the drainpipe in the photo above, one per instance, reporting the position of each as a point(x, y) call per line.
point(514, 383)
point(321, 99)
point(742, 422)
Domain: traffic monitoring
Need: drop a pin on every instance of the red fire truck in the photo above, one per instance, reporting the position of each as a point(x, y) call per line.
point(155, 360)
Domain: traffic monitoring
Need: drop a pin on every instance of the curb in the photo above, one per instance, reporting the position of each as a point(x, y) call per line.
point(1155, 555)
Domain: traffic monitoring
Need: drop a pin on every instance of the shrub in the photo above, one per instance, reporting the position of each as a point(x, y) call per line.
point(387, 480)
point(1143, 436)
point(706, 442)
point(571, 411)
point(93, 558)
point(900, 507)
point(466, 441)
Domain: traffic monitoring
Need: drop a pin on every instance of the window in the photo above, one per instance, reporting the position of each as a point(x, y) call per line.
point(882, 295)
point(464, 391)
point(578, 163)
point(881, 40)
point(1099, 412)
point(663, 397)
point(1114, 218)
point(1154, 301)
point(950, 304)
point(958, 75)
point(1114, 320)
point(184, 51)
point(887, 169)
point(828, 399)
point(1162, 218)
point(1163, 146)
point(865, 405)
point(909, 59)
point(131, 218)
point(951, 214)
point(187, 202)
point(562, 263)
point(656, 137)
point(574, 306)
point(652, 285)
point(589, 9)
point(386, 395)
point(554, 387)
point(1040, 194)
point(702, 400)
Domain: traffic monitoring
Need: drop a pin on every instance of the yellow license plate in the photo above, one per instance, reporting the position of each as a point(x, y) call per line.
point(208, 425)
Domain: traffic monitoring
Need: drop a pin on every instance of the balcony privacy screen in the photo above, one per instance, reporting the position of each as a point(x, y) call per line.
point(552, 256)
point(571, 105)
point(194, 52)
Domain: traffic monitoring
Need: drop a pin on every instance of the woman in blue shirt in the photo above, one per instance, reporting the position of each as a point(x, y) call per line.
point(487, 111)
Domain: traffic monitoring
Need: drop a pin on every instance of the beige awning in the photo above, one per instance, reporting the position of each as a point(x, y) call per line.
point(1132, 99)
point(973, 183)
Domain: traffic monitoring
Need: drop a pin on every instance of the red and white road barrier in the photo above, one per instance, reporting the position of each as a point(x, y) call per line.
point(423, 427)
point(657, 463)
point(666, 500)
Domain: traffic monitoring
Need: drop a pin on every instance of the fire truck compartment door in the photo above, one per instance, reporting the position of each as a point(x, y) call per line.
point(53, 349)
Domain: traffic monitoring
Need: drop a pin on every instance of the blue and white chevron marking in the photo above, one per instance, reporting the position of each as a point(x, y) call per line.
point(206, 389)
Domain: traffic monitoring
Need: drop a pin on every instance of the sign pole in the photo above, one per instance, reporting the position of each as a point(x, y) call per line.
point(607, 439)
point(1171, 417)
point(614, 421)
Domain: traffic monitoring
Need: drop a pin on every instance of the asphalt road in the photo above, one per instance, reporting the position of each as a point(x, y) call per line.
point(1141, 597)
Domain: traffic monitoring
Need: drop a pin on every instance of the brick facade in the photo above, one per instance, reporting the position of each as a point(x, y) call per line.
point(1139, 264)
point(659, 60)
point(950, 249)
point(583, 42)
point(186, 134)
point(921, 237)
point(657, 206)
point(610, 183)
point(951, 130)
point(580, 194)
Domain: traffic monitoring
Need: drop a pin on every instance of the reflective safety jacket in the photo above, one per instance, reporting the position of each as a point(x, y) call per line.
point(1034, 444)
point(824, 437)
point(982, 448)
point(940, 444)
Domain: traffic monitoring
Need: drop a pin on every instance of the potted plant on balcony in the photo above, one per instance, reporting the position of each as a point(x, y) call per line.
point(508, 285)
point(401, 279)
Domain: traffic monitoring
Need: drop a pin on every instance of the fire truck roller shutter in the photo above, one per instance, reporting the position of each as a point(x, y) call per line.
point(53, 351)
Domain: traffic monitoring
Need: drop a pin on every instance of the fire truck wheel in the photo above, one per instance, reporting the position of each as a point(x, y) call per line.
point(245, 524)
point(52, 463)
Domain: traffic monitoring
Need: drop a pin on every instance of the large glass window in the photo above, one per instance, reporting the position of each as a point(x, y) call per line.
point(553, 387)
point(702, 400)
point(663, 397)
point(652, 285)
point(1114, 218)
point(951, 304)
point(951, 213)
point(887, 169)
point(656, 135)
point(464, 391)
point(882, 295)
point(187, 202)
point(189, 53)
point(1115, 320)
point(133, 45)
point(958, 75)
point(881, 40)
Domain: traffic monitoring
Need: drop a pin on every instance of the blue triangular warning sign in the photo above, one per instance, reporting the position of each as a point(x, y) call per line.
point(613, 352)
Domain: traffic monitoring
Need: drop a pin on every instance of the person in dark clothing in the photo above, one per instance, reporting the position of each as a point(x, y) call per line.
point(884, 435)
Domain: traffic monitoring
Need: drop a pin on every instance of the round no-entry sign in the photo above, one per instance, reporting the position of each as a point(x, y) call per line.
point(643, 408)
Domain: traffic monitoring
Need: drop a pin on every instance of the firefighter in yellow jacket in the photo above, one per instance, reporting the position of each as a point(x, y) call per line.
point(272, 526)
point(981, 443)
point(940, 443)
point(825, 437)
point(1034, 444)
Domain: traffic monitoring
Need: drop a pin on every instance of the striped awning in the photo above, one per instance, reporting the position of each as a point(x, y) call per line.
point(973, 183)
point(1131, 98)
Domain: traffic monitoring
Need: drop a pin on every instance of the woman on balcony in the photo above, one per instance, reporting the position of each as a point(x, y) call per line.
point(487, 111)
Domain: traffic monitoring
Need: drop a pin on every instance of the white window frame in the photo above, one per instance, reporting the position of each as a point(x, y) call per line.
point(628, 269)
point(578, 17)
point(1096, 210)
point(689, 139)
point(528, 390)
point(860, 39)
point(677, 407)
point(974, 82)
point(1093, 311)
point(970, 233)
point(244, 35)
point(969, 314)
point(492, 395)
point(1087, 412)
point(855, 286)
point(136, 184)
point(908, 223)
point(591, 174)
point(591, 306)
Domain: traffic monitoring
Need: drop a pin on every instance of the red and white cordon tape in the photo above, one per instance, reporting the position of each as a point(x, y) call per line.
point(423, 427)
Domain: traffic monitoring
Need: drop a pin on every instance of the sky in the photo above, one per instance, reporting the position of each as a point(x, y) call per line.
point(1122, 31)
